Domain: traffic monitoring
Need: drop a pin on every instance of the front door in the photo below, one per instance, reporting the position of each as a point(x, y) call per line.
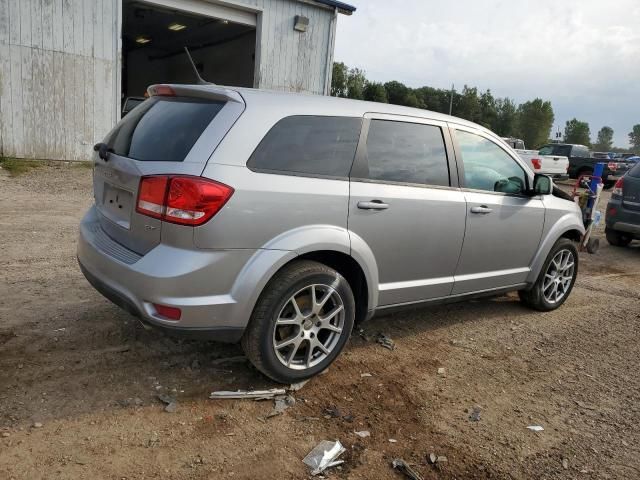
point(504, 225)
point(405, 207)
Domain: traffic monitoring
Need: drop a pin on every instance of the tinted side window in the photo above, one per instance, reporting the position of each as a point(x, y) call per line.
point(162, 128)
point(406, 152)
point(635, 170)
point(489, 167)
point(309, 145)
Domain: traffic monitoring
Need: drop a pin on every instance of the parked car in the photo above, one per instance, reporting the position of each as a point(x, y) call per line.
point(555, 166)
point(581, 162)
point(281, 220)
point(623, 211)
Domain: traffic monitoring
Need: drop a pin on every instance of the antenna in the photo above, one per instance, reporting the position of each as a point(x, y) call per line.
point(201, 81)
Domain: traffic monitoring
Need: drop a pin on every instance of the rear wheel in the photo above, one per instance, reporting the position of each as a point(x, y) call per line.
point(617, 239)
point(301, 322)
point(556, 279)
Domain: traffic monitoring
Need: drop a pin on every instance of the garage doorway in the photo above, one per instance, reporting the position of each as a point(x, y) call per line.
point(222, 42)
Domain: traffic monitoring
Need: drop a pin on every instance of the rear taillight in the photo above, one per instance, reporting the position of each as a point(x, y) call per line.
point(181, 199)
point(617, 188)
point(161, 91)
point(537, 164)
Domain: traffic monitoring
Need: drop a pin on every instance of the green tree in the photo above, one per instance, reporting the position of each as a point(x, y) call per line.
point(488, 111)
point(339, 80)
point(356, 82)
point(578, 132)
point(605, 140)
point(634, 138)
point(396, 92)
point(535, 119)
point(468, 106)
point(375, 92)
point(507, 118)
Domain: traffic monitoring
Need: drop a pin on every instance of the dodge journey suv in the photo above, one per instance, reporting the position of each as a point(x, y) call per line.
point(281, 220)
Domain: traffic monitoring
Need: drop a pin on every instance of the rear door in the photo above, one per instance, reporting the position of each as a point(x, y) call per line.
point(173, 134)
point(504, 226)
point(631, 189)
point(406, 206)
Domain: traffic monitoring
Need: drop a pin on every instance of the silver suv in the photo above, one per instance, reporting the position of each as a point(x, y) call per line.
point(281, 220)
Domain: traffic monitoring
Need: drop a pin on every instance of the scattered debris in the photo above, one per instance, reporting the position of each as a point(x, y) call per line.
point(441, 371)
point(324, 456)
point(535, 428)
point(244, 394)
point(363, 433)
point(170, 402)
point(348, 418)
point(385, 341)
point(37, 425)
point(393, 440)
point(281, 404)
point(294, 387)
point(403, 467)
point(332, 412)
point(129, 402)
point(565, 463)
point(475, 414)
point(364, 375)
point(433, 458)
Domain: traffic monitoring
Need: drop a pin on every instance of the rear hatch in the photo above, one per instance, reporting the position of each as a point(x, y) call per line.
point(631, 189)
point(554, 164)
point(174, 132)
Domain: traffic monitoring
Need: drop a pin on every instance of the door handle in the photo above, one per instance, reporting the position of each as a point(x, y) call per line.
point(483, 209)
point(373, 205)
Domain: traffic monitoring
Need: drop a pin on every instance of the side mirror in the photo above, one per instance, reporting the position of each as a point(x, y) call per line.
point(542, 185)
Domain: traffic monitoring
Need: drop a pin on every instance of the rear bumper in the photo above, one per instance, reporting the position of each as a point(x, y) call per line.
point(198, 282)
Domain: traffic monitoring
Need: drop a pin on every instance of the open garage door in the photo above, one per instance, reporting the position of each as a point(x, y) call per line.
point(221, 39)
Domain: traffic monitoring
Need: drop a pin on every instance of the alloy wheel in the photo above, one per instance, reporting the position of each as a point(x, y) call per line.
point(558, 277)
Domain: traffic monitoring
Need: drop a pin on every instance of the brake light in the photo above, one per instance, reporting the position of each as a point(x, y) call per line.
point(170, 313)
point(617, 188)
point(161, 91)
point(537, 164)
point(183, 200)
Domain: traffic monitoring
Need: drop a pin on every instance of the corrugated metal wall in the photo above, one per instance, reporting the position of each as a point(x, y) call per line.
point(57, 76)
point(60, 78)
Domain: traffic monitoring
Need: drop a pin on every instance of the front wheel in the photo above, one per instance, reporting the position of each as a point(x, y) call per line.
point(300, 323)
point(556, 279)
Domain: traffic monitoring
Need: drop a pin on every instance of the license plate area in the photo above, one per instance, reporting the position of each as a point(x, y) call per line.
point(117, 205)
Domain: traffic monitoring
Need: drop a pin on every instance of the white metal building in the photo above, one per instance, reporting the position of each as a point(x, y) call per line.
point(66, 66)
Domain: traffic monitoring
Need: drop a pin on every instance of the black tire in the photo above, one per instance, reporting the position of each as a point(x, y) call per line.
point(617, 239)
point(258, 339)
point(534, 297)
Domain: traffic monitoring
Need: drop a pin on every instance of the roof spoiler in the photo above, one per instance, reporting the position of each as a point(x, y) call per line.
point(206, 91)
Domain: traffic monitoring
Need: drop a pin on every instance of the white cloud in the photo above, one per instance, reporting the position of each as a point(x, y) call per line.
point(582, 55)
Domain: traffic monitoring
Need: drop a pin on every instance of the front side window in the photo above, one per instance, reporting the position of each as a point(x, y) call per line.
point(309, 145)
point(488, 167)
point(406, 153)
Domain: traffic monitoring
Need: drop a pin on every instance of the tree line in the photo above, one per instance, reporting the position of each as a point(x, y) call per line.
point(531, 121)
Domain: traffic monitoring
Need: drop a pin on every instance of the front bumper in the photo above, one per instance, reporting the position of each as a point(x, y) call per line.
point(198, 282)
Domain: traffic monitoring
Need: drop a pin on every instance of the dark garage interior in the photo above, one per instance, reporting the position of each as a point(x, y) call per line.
point(153, 41)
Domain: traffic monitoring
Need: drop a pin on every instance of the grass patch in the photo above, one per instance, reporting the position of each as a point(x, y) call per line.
point(18, 166)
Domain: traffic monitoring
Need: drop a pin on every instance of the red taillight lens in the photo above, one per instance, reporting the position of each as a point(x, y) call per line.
point(151, 196)
point(161, 91)
point(181, 199)
point(617, 188)
point(537, 164)
point(170, 313)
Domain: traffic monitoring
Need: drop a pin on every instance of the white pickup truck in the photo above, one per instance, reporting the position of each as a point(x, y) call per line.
point(555, 166)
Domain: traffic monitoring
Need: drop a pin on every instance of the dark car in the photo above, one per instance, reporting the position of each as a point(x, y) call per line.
point(582, 162)
point(623, 210)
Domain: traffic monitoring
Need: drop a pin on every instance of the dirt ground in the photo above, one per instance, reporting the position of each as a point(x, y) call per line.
point(79, 378)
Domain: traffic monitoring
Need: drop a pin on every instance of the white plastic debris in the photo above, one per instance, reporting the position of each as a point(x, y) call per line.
point(363, 433)
point(365, 375)
point(393, 440)
point(323, 456)
point(441, 371)
point(243, 394)
point(536, 428)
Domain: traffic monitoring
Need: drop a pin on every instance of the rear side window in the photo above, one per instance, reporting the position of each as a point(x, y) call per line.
point(309, 145)
point(406, 153)
point(163, 128)
point(635, 171)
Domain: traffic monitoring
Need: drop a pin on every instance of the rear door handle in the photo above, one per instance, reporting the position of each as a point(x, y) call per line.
point(373, 205)
point(483, 210)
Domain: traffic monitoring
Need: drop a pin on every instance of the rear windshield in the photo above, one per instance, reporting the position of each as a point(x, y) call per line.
point(309, 145)
point(635, 171)
point(162, 128)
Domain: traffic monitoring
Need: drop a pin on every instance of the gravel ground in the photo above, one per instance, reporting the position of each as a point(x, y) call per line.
point(79, 378)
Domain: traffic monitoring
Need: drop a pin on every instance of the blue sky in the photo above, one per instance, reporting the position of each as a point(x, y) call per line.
point(584, 56)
